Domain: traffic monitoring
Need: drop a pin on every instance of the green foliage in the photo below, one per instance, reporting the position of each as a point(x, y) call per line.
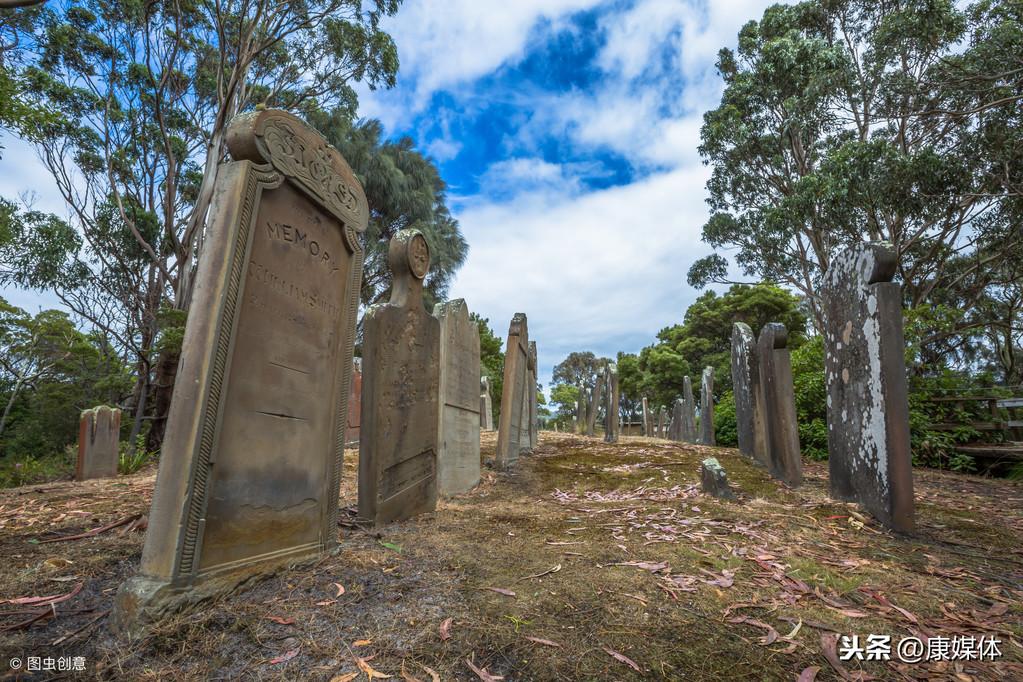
point(579, 368)
point(130, 460)
point(564, 398)
point(726, 432)
point(811, 398)
point(491, 360)
point(29, 470)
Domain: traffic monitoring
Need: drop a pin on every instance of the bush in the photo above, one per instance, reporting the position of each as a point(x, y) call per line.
point(726, 431)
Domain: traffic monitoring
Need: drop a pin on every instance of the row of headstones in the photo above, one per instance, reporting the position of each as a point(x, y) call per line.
point(251, 463)
point(869, 458)
point(604, 395)
point(683, 425)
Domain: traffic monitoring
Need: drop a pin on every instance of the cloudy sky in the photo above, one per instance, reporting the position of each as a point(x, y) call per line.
point(567, 131)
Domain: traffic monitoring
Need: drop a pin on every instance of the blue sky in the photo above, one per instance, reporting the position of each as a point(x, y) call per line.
point(567, 131)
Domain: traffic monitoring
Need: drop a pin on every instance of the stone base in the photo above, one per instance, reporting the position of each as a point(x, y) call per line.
point(714, 481)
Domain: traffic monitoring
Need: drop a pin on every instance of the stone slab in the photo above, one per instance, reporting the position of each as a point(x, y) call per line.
point(458, 454)
point(99, 435)
point(782, 427)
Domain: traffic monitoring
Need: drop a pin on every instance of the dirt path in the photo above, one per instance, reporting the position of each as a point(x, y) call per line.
point(589, 561)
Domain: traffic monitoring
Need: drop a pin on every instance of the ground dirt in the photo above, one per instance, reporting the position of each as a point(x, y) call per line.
point(588, 561)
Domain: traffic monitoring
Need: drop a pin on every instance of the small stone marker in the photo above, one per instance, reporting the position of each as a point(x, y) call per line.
point(688, 411)
point(354, 405)
point(648, 430)
point(598, 395)
point(99, 436)
point(662, 422)
point(486, 405)
point(611, 421)
point(749, 395)
point(707, 406)
point(251, 464)
point(534, 424)
point(868, 409)
point(782, 427)
point(513, 437)
point(401, 392)
point(713, 479)
point(458, 438)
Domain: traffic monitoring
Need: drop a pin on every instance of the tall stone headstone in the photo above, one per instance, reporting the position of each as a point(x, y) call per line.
point(354, 404)
point(534, 423)
point(400, 392)
point(688, 411)
point(677, 420)
point(781, 425)
point(707, 406)
point(99, 436)
point(458, 438)
point(596, 397)
point(647, 421)
point(662, 422)
point(749, 396)
point(486, 405)
point(251, 463)
point(868, 409)
point(513, 426)
point(611, 419)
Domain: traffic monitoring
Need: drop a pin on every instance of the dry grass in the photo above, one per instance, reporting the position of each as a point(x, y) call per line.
point(720, 589)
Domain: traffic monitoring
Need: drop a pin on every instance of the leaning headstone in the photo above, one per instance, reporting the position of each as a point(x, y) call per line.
point(688, 411)
point(611, 418)
point(99, 435)
point(749, 395)
point(782, 428)
point(597, 396)
point(513, 427)
point(677, 420)
point(647, 430)
point(662, 422)
point(534, 424)
point(868, 410)
point(251, 463)
point(486, 405)
point(707, 406)
point(458, 438)
point(713, 479)
point(354, 405)
point(401, 391)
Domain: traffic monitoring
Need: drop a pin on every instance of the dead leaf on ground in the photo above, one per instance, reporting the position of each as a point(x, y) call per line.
point(445, 629)
point(362, 642)
point(501, 590)
point(809, 674)
point(483, 673)
point(347, 677)
point(370, 672)
point(653, 567)
point(623, 658)
point(282, 620)
point(285, 657)
point(545, 642)
point(340, 589)
point(552, 569)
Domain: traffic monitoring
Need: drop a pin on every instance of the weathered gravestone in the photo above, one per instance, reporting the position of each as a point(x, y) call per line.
point(677, 420)
point(251, 464)
point(749, 395)
point(354, 404)
point(868, 410)
point(714, 480)
point(648, 430)
point(401, 392)
point(662, 422)
point(513, 436)
point(534, 424)
point(688, 411)
point(486, 405)
point(458, 438)
point(781, 426)
point(597, 396)
point(611, 423)
point(707, 406)
point(99, 435)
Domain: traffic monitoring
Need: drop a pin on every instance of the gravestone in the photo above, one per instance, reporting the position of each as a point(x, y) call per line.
point(611, 419)
point(688, 411)
point(251, 463)
point(677, 420)
point(458, 437)
point(99, 435)
point(486, 405)
point(749, 396)
point(401, 392)
point(513, 436)
point(596, 397)
point(868, 410)
point(581, 410)
point(662, 422)
point(714, 480)
point(354, 405)
point(782, 428)
point(534, 424)
point(707, 406)
point(647, 421)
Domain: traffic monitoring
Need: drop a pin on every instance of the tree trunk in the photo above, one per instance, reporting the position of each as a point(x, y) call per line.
point(10, 404)
point(140, 411)
point(163, 389)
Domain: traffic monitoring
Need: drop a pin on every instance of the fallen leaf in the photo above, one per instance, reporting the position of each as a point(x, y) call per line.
point(340, 589)
point(391, 546)
point(326, 603)
point(809, 674)
point(501, 590)
point(285, 657)
point(794, 631)
point(445, 630)
point(370, 672)
point(347, 677)
point(545, 642)
point(405, 675)
point(434, 677)
point(57, 562)
point(553, 542)
point(482, 673)
point(281, 620)
point(623, 658)
point(362, 642)
point(645, 565)
point(553, 569)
